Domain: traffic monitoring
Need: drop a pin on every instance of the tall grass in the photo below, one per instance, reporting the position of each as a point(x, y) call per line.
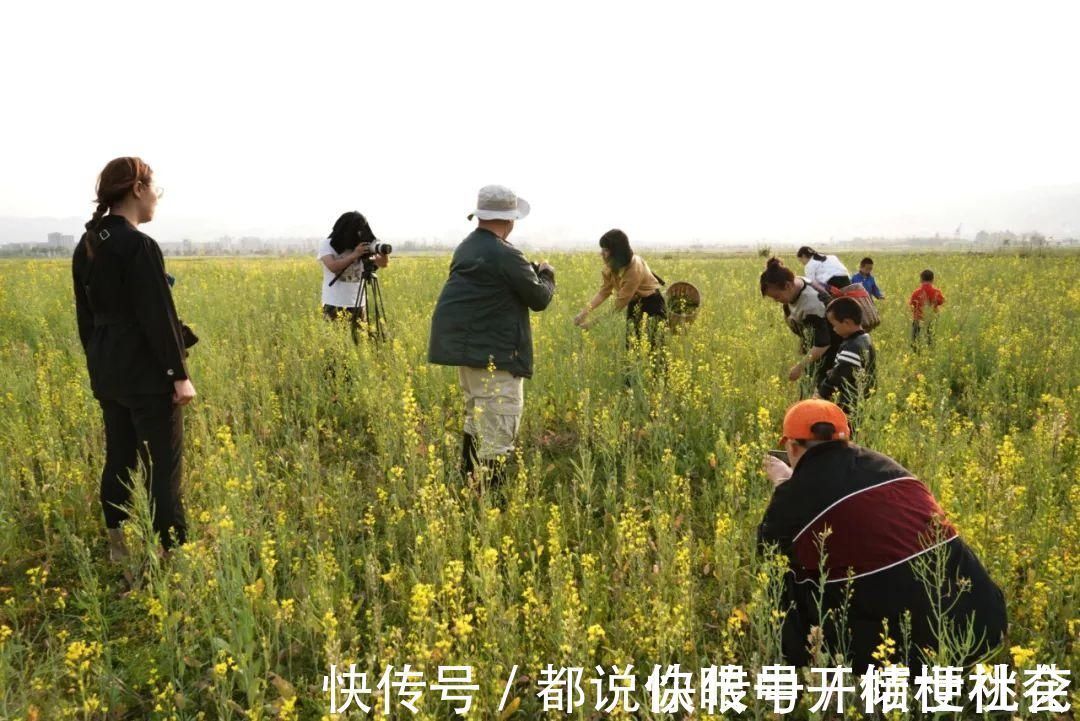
point(329, 525)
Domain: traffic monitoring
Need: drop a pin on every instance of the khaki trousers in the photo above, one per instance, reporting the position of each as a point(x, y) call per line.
point(493, 404)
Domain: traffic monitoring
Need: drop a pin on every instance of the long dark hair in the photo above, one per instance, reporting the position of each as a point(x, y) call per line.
point(807, 252)
point(618, 247)
point(115, 181)
point(775, 275)
point(349, 230)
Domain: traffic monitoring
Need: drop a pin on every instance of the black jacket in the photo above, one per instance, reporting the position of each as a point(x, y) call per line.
point(883, 526)
point(134, 342)
point(482, 315)
point(854, 372)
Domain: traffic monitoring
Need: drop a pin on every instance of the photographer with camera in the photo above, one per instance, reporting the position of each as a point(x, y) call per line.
point(344, 254)
point(481, 325)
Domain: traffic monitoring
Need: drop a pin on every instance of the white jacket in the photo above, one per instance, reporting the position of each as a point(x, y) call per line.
point(822, 270)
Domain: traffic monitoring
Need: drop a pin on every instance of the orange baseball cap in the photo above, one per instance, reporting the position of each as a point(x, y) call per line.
point(801, 417)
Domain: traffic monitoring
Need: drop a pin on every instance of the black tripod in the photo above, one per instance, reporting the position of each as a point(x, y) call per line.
point(368, 297)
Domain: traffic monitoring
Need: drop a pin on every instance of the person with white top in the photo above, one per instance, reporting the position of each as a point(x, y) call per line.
point(342, 250)
point(823, 270)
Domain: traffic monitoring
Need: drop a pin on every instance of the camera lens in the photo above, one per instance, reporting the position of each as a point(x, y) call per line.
point(382, 248)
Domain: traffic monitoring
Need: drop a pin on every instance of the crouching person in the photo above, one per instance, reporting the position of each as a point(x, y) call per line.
point(481, 325)
point(851, 515)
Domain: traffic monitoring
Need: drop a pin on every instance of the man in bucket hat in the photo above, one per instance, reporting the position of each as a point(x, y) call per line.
point(843, 515)
point(481, 325)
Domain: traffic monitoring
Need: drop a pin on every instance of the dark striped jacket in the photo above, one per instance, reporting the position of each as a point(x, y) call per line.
point(853, 373)
point(877, 513)
point(881, 523)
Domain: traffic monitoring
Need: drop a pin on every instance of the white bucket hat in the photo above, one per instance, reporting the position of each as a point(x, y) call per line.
point(497, 202)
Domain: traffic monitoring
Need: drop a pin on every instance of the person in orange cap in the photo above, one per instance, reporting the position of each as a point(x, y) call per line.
point(846, 514)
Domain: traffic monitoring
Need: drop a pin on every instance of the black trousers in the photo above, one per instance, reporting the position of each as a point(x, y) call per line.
point(333, 312)
point(917, 328)
point(821, 368)
point(968, 596)
point(654, 310)
point(839, 281)
point(149, 429)
point(652, 306)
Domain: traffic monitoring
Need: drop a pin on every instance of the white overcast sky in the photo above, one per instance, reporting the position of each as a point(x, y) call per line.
point(676, 121)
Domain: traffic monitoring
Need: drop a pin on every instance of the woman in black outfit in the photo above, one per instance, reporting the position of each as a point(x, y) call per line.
point(135, 348)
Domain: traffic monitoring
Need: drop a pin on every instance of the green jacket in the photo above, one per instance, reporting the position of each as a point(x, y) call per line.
point(482, 315)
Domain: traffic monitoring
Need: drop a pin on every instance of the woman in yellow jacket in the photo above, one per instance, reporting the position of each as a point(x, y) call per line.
point(636, 288)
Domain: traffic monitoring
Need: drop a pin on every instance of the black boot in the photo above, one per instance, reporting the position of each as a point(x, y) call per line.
point(495, 470)
point(468, 454)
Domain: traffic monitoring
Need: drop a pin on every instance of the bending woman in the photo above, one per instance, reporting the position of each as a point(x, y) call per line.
point(804, 311)
point(636, 288)
point(135, 347)
point(823, 270)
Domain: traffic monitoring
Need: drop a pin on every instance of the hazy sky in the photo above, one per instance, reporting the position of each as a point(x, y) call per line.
point(675, 121)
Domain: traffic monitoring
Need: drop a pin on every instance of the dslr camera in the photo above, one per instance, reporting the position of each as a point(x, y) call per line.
point(379, 248)
point(352, 229)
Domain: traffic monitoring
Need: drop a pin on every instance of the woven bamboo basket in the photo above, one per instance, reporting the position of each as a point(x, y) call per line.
point(683, 301)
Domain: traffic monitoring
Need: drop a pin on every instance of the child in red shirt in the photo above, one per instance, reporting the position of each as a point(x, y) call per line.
point(925, 297)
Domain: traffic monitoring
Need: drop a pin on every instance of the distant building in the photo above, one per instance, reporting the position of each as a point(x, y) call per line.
point(59, 241)
point(1006, 237)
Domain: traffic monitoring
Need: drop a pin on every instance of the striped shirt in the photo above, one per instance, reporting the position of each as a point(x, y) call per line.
point(852, 374)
